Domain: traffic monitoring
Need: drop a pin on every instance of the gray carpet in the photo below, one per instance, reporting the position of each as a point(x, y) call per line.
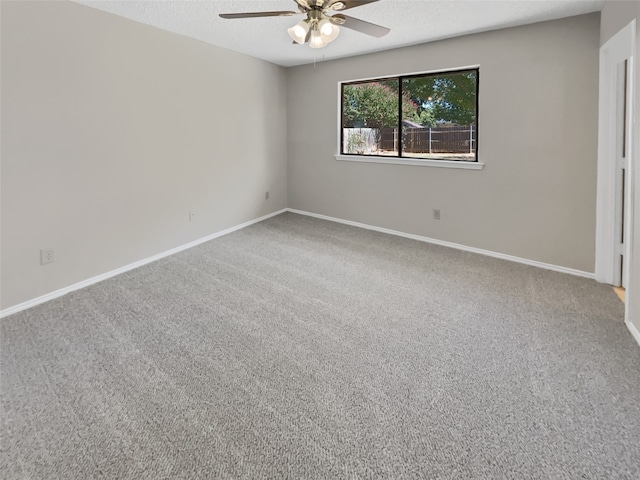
point(299, 348)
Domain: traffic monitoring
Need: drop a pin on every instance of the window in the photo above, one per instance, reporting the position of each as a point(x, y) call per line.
point(430, 116)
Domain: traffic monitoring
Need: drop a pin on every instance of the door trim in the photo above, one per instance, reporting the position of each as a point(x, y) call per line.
point(608, 206)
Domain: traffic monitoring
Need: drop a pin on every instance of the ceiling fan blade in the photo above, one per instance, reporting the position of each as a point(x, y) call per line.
point(359, 25)
point(283, 13)
point(352, 3)
point(303, 4)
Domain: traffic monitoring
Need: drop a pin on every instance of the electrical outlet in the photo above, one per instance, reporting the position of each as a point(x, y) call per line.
point(46, 256)
point(266, 195)
point(192, 215)
point(436, 214)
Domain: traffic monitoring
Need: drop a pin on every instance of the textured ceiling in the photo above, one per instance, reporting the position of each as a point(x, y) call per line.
point(411, 22)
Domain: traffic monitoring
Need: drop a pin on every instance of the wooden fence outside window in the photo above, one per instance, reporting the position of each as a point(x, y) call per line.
point(456, 139)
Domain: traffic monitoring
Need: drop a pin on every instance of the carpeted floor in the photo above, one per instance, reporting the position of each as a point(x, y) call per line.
point(299, 348)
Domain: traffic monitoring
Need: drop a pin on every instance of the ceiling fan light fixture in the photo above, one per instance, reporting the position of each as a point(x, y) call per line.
point(298, 32)
point(316, 39)
point(319, 28)
point(328, 31)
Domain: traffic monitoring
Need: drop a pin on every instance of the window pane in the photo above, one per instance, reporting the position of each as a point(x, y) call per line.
point(370, 118)
point(439, 118)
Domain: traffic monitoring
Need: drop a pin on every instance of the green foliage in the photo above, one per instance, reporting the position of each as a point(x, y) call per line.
point(450, 97)
point(426, 118)
point(375, 105)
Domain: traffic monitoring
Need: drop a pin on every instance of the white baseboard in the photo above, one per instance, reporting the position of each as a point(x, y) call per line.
point(489, 253)
point(634, 331)
point(99, 278)
point(90, 281)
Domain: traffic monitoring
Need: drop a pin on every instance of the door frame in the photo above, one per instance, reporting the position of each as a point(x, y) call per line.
point(608, 197)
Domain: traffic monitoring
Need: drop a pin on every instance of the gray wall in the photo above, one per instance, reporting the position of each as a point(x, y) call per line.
point(112, 131)
point(535, 197)
point(616, 15)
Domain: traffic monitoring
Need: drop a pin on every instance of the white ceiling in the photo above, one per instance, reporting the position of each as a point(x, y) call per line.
point(411, 22)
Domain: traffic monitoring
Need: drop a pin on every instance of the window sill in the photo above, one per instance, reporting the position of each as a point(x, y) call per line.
point(411, 161)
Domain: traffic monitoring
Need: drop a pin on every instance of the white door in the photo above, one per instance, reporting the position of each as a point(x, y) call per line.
point(615, 143)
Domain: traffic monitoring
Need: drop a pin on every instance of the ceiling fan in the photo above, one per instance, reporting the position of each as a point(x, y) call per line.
point(319, 28)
